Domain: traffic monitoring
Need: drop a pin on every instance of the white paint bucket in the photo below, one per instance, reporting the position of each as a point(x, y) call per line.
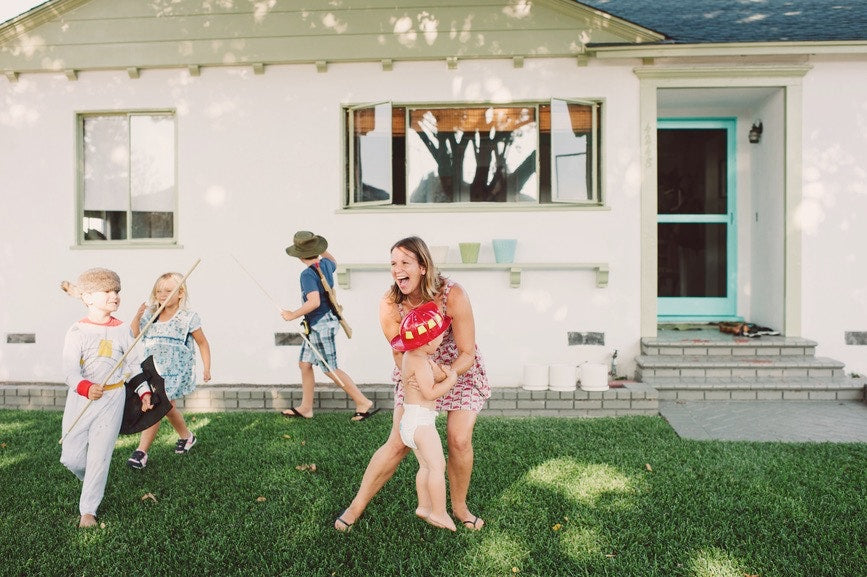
point(594, 377)
point(562, 377)
point(439, 254)
point(535, 377)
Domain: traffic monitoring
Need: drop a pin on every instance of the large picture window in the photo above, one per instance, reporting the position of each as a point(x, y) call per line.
point(127, 186)
point(526, 154)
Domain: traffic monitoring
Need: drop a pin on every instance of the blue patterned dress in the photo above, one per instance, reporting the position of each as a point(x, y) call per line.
point(174, 350)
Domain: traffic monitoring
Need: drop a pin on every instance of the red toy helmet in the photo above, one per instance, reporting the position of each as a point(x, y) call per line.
point(420, 326)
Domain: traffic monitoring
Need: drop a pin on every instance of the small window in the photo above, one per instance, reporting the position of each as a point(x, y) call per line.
point(526, 154)
point(574, 151)
point(370, 154)
point(127, 185)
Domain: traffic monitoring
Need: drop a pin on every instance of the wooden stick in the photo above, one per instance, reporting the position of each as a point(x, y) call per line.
point(324, 362)
point(134, 343)
point(332, 298)
point(303, 336)
point(258, 284)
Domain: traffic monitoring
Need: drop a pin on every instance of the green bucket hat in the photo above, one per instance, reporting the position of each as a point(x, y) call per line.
point(305, 244)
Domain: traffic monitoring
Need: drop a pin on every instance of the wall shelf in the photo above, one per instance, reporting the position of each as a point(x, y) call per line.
point(515, 270)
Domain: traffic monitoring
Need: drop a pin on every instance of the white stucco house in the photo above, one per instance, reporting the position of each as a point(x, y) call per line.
point(664, 162)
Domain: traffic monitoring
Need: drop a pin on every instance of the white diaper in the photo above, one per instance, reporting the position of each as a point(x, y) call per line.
point(415, 416)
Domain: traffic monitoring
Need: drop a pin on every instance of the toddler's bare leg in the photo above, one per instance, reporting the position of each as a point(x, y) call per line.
point(430, 456)
point(421, 489)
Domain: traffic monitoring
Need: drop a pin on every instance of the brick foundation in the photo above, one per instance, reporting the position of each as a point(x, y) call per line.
point(630, 399)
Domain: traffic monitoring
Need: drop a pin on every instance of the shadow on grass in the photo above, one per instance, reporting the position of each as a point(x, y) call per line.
point(620, 496)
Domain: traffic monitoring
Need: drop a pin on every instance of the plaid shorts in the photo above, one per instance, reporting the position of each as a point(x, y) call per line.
point(322, 337)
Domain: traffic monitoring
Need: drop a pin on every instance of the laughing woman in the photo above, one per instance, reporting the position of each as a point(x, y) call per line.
point(416, 281)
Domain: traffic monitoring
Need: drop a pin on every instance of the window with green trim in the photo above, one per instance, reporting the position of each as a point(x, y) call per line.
point(524, 154)
point(127, 183)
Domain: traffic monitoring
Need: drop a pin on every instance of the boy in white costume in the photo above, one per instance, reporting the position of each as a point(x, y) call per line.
point(94, 404)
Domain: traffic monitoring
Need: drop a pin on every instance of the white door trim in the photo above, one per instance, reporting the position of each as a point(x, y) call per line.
point(787, 77)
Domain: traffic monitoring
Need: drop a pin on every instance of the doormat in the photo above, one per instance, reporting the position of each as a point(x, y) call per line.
point(687, 326)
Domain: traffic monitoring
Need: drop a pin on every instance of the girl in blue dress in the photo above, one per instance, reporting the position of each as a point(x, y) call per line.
point(172, 340)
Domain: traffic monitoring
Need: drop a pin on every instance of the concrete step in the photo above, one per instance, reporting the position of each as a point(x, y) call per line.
point(752, 389)
point(652, 368)
point(717, 344)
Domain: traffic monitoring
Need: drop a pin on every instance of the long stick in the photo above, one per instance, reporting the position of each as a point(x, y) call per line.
point(134, 343)
point(258, 284)
point(321, 358)
point(303, 336)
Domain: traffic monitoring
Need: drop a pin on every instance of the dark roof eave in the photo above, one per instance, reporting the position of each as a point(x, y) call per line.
point(675, 49)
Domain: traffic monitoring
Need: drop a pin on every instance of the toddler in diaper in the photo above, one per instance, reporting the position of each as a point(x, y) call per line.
point(421, 332)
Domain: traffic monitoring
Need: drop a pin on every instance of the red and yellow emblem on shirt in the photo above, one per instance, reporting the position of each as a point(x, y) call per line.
point(104, 349)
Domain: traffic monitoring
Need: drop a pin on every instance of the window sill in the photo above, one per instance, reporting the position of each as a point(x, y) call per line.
point(120, 244)
point(515, 270)
point(455, 207)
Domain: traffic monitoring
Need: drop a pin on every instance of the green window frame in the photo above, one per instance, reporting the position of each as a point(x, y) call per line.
point(488, 155)
point(127, 178)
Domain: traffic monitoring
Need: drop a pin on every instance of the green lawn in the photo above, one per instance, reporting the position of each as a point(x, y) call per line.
point(615, 497)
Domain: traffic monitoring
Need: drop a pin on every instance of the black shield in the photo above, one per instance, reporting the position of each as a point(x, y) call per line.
point(134, 420)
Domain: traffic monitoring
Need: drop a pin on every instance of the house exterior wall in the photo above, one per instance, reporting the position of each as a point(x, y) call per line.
point(259, 157)
point(833, 216)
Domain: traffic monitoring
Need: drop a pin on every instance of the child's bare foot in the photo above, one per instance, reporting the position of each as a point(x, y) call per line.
point(422, 512)
point(87, 520)
point(441, 521)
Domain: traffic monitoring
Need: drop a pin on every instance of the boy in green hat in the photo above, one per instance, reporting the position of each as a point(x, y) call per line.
point(322, 324)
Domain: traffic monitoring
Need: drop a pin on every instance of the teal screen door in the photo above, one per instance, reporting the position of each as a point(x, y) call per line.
point(696, 259)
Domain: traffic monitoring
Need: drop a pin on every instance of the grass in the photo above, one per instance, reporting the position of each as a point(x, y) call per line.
point(616, 497)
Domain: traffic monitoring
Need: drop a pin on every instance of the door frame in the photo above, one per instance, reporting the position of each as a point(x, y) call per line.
point(789, 78)
point(674, 309)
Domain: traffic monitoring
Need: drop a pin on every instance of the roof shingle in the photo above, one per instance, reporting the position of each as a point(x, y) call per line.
point(708, 21)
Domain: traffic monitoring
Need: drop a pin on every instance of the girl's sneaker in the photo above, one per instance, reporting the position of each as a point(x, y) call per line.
point(184, 445)
point(138, 459)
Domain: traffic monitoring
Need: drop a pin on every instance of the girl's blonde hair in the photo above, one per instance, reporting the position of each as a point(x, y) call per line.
point(153, 303)
point(431, 281)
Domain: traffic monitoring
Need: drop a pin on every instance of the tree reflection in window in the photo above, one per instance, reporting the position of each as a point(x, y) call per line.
point(474, 154)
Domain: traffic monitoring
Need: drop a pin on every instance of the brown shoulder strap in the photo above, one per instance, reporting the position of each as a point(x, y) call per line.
point(332, 300)
point(331, 296)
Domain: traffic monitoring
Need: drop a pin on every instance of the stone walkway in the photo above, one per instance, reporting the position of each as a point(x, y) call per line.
point(792, 421)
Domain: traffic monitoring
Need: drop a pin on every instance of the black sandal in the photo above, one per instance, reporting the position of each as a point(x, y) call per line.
point(346, 526)
point(471, 525)
point(359, 416)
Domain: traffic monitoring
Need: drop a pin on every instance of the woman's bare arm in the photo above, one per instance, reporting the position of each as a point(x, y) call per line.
point(389, 321)
point(463, 328)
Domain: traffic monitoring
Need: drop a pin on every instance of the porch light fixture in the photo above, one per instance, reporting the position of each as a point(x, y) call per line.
point(756, 132)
